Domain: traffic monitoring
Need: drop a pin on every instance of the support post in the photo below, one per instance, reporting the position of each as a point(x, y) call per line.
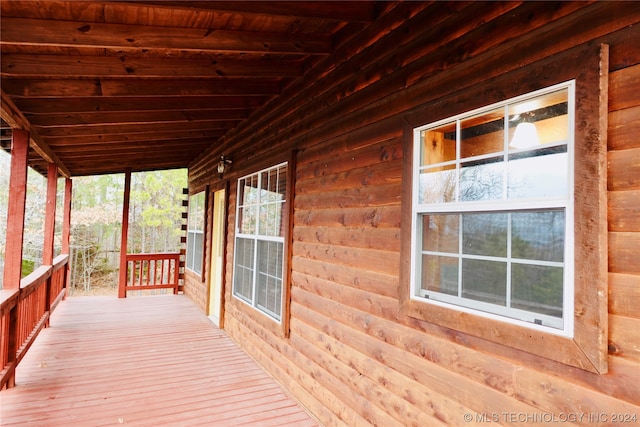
point(66, 228)
point(16, 209)
point(122, 283)
point(50, 229)
point(15, 235)
point(50, 216)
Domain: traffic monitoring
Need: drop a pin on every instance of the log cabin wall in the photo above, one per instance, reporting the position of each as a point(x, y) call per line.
point(350, 356)
point(196, 289)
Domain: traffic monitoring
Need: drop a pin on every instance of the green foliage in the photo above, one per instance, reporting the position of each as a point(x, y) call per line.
point(28, 267)
point(155, 219)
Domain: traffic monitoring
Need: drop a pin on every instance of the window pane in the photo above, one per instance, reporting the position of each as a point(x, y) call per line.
point(482, 134)
point(440, 233)
point(269, 284)
point(538, 235)
point(537, 288)
point(438, 145)
point(546, 119)
point(243, 273)
point(247, 219)
point(484, 281)
point(538, 173)
point(271, 220)
point(248, 190)
point(485, 234)
point(440, 274)
point(482, 179)
point(196, 212)
point(438, 185)
point(198, 246)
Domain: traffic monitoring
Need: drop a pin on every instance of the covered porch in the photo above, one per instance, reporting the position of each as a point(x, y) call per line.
point(154, 360)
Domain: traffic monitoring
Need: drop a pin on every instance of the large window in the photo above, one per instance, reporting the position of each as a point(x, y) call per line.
point(493, 210)
point(259, 245)
point(195, 232)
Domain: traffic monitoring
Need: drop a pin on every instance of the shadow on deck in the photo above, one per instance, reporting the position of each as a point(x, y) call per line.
point(146, 361)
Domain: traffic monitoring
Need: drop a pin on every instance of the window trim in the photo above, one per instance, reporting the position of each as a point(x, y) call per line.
point(202, 232)
point(477, 307)
point(588, 65)
point(280, 326)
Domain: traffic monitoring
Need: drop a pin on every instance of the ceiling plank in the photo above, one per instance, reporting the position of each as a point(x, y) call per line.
point(354, 11)
point(60, 88)
point(115, 138)
point(43, 32)
point(130, 129)
point(35, 105)
point(123, 66)
point(97, 119)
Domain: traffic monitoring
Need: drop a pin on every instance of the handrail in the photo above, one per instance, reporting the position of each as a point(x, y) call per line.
point(149, 271)
point(26, 310)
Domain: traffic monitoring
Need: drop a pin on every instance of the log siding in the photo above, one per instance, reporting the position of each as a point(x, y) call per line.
point(351, 357)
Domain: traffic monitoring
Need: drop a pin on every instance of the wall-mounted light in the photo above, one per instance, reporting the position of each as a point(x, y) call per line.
point(525, 135)
point(223, 165)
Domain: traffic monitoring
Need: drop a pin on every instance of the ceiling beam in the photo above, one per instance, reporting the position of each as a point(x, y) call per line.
point(14, 118)
point(50, 33)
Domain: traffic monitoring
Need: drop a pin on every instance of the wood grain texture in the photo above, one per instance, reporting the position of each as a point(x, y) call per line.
point(174, 368)
point(348, 335)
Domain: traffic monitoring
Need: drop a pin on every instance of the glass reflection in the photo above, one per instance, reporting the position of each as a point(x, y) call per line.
point(485, 234)
point(482, 180)
point(440, 233)
point(484, 281)
point(538, 235)
point(483, 134)
point(440, 274)
point(438, 185)
point(537, 288)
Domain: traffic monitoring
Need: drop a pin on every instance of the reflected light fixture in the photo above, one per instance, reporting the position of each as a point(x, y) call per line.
point(525, 136)
point(223, 165)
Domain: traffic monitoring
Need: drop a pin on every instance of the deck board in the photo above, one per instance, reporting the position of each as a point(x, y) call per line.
point(143, 361)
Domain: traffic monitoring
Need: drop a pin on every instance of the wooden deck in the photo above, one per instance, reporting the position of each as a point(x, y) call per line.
point(142, 361)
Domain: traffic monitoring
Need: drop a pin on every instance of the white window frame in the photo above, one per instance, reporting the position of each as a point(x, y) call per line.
point(195, 228)
point(257, 238)
point(563, 327)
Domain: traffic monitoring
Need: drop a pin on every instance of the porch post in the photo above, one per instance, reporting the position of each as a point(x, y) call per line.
point(16, 209)
point(122, 283)
point(66, 229)
point(15, 234)
point(50, 229)
point(50, 216)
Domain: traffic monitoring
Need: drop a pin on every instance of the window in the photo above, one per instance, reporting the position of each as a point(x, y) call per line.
point(195, 232)
point(493, 210)
point(260, 240)
point(479, 309)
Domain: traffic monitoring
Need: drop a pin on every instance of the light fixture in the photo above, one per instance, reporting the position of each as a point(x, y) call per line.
point(525, 136)
point(223, 165)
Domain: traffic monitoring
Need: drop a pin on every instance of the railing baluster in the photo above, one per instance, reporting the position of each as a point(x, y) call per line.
point(25, 311)
point(155, 270)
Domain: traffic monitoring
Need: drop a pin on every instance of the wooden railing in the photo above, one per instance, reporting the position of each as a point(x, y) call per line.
point(153, 271)
point(25, 311)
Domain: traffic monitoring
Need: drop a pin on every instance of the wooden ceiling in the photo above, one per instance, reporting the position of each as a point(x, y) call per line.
point(106, 86)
